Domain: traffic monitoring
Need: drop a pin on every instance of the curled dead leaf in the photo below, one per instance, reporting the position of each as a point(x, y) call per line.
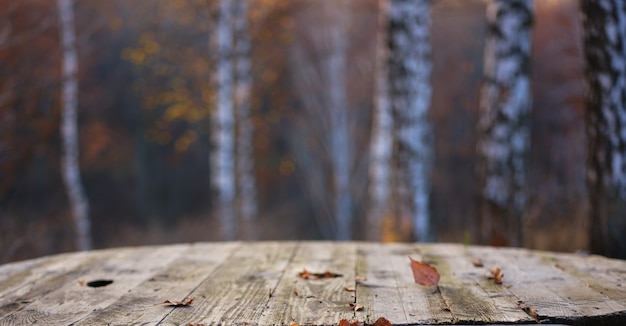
point(382, 322)
point(316, 276)
point(184, 303)
point(423, 273)
point(356, 306)
point(345, 322)
point(497, 275)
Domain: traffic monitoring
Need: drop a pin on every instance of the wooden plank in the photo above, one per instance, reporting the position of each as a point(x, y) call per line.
point(468, 293)
point(174, 281)
point(28, 285)
point(556, 295)
point(238, 290)
point(67, 301)
point(604, 275)
point(314, 302)
point(389, 290)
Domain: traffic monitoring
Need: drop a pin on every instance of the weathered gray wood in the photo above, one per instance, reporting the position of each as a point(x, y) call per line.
point(175, 281)
point(314, 302)
point(389, 290)
point(469, 294)
point(68, 301)
point(237, 292)
point(556, 295)
point(258, 283)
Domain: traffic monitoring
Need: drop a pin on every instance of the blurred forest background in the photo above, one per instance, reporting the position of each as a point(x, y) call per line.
point(146, 99)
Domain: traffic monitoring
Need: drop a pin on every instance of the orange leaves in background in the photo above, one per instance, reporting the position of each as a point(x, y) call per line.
point(316, 276)
point(424, 274)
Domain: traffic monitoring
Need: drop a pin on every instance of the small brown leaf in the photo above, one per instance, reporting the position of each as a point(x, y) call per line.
point(349, 288)
point(360, 278)
point(496, 275)
point(185, 303)
point(82, 283)
point(382, 322)
point(271, 292)
point(356, 306)
point(423, 273)
point(316, 276)
point(477, 262)
point(345, 322)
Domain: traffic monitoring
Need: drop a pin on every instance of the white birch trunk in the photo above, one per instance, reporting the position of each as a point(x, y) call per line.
point(246, 185)
point(503, 126)
point(222, 126)
point(381, 141)
point(323, 89)
point(69, 127)
point(410, 96)
point(604, 24)
point(341, 154)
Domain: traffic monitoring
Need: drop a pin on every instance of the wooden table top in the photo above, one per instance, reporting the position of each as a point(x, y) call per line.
point(259, 283)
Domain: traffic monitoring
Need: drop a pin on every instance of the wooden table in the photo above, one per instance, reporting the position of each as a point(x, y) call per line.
point(259, 283)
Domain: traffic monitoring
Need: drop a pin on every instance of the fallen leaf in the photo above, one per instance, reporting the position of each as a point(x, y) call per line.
point(295, 324)
point(360, 278)
point(496, 275)
point(185, 303)
point(316, 276)
point(382, 322)
point(423, 273)
point(532, 312)
point(345, 322)
point(356, 306)
point(477, 262)
point(349, 288)
point(82, 283)
point(271, 292)
point(295, 292)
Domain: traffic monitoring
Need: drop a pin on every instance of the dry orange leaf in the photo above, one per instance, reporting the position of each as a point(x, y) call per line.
point(345, 322)
point(497, 275)
point(382, 322)
point(316, 276)
point(423, 273)
point(185, 303)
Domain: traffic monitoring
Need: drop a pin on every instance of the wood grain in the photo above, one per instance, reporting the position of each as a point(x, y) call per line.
point(258, 283)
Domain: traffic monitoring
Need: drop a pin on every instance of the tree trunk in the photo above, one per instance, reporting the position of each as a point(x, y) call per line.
point(381, 141)
point(604, 24)
point(222, 126)
point(69, 127)
point(410, 95)
point(246, 185)
point(341, 154)
point(503, 126)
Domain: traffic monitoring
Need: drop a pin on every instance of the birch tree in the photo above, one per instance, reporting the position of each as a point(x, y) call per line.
point(222, 125)
point(246, 185)
point(503, 127)
point(381, 141)
point(410, 94)
point(604, 23)
point(69, 127)
point(322, 87)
